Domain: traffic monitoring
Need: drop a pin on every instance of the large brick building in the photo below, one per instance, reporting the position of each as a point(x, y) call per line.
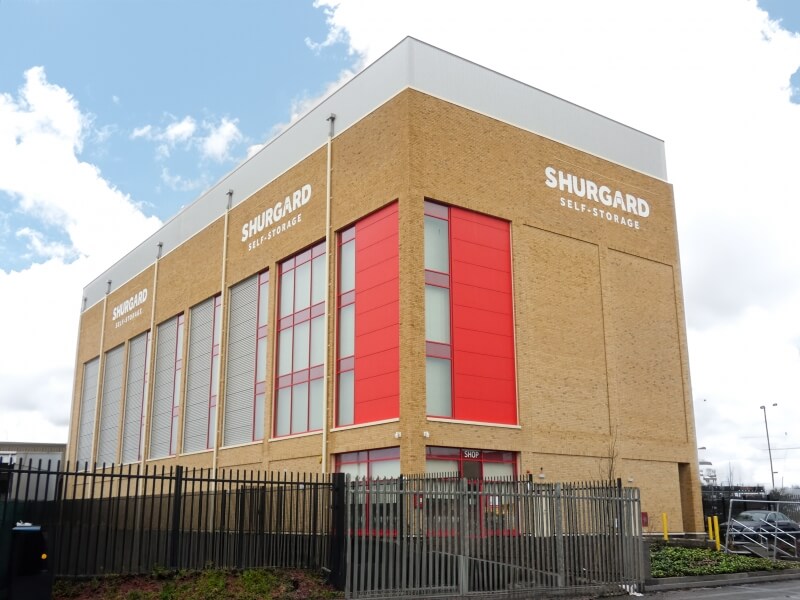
point(438, 268)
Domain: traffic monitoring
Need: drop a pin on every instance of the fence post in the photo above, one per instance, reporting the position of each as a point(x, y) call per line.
point(337, 533)
point(559, 531)
point(463, 566)
point(175, 534)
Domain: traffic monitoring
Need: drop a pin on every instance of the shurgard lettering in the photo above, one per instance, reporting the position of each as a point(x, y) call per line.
point(274, 214)
point(602, 194)
point(128, 305)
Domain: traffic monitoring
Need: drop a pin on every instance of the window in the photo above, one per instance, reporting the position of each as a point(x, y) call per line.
point(469, 321)
point(135, 397)
point(167, 388)
point(110, 405)
point(301, 322)
point(368, 310)
point(470, 463)
point(245, 387)
point(438, 351)
point(202, 375)
point(376, 505)
point(347, 328)
point(497, 500)
point(88, 401)
point(371, 464)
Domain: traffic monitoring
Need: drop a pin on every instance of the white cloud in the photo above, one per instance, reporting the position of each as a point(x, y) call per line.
point(336, 31)
point(142, 132)
point(42, 130)
point(712, 79)
point(42, 248)
point(179, 131)
point(212, 140)
point(254, 149)
point(221, 137)
point(181, 184)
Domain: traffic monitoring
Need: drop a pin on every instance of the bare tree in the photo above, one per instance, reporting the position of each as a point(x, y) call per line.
point(607, 466)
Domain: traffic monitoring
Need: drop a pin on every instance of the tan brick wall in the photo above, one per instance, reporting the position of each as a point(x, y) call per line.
point(190, 273)
point(600, 333)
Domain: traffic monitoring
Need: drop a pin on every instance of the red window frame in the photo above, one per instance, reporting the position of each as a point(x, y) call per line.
point(438, 279)
point(493, 522)
point(370, 457)
point(145, 386)
point(290, 321)
point(345, 364)
point(262, 329)
point(213, 391)
point(176, 387)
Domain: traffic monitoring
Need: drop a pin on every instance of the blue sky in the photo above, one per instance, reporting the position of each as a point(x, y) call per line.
point(130, 64)
point(115, 113)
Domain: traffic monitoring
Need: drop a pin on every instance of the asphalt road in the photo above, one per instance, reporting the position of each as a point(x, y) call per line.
point(771, 590)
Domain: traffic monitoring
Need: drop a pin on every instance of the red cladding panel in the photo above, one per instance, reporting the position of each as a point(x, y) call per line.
point(484, 382)
point(377, 335)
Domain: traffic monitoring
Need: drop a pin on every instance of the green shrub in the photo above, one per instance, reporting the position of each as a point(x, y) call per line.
point(675, 561)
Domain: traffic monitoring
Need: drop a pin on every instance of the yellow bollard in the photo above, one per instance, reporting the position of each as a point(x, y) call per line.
point(710, 529)
point(664, 526)
point(716, 532)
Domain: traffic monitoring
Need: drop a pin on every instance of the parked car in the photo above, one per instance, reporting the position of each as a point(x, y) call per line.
point(754, 523)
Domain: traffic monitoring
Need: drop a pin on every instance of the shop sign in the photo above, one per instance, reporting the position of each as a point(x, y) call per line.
point(276, 219)
point(597, 200)
point(129, 309)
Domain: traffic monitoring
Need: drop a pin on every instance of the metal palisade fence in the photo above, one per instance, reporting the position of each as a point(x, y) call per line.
point(132, 519)
point(409, 536)
point(458, 538)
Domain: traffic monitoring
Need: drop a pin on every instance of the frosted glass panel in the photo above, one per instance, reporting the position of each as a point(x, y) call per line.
point(436, 465)
point(318, 280)
point(301, 333)
point(437, 243)
point(261, 359)
point(497, 469)
point(300, 408)
point(315, 405)
point(347, 267)
point(285, 352)
point(437, 387)
point(317, 341)
point(437, 314)
point(385, 468)
point(347, 331)
point(345, 398)
point(283, 411)
point(263, 304)
point(354, 469)
point(258, 423)
point(287, 292)
point(302, 286)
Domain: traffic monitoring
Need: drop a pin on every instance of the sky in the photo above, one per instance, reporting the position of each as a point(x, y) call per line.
point(115, 114)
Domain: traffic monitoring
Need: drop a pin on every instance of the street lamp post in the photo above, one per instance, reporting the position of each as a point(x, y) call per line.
point(769, 447)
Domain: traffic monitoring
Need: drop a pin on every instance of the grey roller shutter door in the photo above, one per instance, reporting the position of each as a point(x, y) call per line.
point(241, 365)
point(198, 377)
point(163, 389)
point(108, 437)
point(88, 400)
point(134, 399)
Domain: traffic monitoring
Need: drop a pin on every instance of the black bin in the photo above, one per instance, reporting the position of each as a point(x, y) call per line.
point(29, 576)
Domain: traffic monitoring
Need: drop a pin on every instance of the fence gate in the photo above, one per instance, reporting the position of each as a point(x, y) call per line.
point(456, 537)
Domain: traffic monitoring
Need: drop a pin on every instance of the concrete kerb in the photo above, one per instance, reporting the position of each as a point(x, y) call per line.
point(664, 584)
